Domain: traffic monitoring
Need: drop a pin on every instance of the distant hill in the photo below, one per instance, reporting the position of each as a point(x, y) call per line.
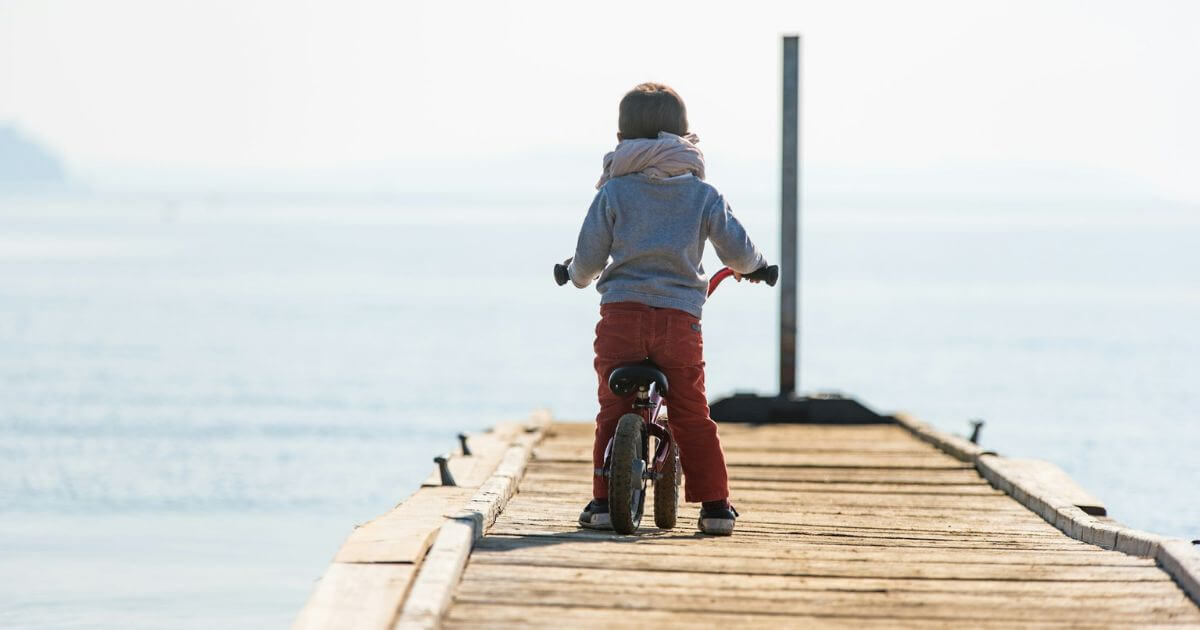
point(23, 161)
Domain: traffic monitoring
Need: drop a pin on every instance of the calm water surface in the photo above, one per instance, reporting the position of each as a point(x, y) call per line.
point(198, 400)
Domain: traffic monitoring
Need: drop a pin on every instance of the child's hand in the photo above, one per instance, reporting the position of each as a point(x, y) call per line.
point(737, 276)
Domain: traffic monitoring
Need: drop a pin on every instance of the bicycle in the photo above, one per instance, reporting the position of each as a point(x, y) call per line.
point(628, 465)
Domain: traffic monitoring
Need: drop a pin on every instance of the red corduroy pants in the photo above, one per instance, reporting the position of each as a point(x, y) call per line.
point(630, 332)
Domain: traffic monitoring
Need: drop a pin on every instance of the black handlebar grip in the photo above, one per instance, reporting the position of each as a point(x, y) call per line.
point(768, 274)
point(561, 276)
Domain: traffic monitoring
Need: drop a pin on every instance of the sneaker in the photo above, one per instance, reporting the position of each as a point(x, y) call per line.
point(595, 515)
point(717, 521)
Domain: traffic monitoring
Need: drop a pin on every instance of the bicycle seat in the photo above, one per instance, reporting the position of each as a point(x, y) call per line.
point(628, 378)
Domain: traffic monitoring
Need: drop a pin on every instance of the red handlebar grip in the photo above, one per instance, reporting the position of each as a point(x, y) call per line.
point(768, 274)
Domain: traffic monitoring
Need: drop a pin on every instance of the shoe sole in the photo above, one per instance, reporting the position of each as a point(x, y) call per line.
point(716, 526)
point(598, 521)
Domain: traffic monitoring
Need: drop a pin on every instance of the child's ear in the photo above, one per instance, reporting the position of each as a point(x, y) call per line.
point(620, 137)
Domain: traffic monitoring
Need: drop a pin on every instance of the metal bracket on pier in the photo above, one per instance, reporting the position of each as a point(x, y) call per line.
point(976, 425)
point(462, 440)
point(443, 462)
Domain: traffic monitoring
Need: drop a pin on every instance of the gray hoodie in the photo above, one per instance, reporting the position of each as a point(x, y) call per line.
point(654, 232)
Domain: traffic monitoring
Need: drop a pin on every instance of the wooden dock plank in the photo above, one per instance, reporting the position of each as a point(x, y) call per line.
point(799, 564)
point(533, 615)
point(879, 502)
point(405, 533)
point(968, 607)
point(352, 596)
point(755, 583)
point(842, 536)
point(838, 536)
point(963, 477)
point(486, 450)
point(1048, 480)
point(788, 547)
point(966, 523)
point(758, 458)
point(841, 526)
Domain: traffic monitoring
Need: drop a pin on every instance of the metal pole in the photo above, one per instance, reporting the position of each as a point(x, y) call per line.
point(789, 217)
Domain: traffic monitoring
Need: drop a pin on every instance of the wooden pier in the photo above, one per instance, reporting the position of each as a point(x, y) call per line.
point(885, 525)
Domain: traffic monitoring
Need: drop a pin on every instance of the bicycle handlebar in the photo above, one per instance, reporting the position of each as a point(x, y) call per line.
point(767, 273)
point(560, 274)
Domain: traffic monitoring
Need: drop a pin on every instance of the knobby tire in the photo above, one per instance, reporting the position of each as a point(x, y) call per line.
point(624, 500)
point(666, 490)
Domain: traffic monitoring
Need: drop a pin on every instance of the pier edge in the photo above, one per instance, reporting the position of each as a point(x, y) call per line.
point(1178, 557)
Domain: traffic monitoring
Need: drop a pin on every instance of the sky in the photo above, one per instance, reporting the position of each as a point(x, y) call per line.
point(1103, 89)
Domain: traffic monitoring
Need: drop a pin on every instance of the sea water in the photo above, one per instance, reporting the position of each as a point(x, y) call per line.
point(200, 398)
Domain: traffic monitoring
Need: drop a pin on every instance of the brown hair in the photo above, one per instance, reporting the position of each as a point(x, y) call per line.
point(650, 108)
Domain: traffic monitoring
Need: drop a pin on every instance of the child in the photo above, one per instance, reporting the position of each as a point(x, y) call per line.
point(651, 215)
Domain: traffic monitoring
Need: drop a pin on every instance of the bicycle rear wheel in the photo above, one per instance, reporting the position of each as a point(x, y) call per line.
point(666, 490)
point(626, 483)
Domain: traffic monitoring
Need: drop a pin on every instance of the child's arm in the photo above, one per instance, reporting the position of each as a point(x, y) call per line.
point(594, 244)
point(730, 240)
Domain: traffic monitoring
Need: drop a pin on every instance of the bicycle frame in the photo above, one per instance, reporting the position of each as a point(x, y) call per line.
point(716, 279)
point(648, 405)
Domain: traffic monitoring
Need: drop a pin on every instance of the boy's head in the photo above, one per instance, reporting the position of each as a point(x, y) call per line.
point(648, 109)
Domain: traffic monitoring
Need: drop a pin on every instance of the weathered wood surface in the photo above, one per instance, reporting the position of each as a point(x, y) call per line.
point(433, 588)
point(486, 451)
point(352, 595)
point(841, 526)
point(405, 533)
point(372, 572)
point(1046, 479)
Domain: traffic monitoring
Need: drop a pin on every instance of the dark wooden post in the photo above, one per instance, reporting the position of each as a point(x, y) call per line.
point(787, 406)
point(789, 219)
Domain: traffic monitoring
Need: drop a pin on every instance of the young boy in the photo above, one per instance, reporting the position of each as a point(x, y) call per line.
point(651, 215)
